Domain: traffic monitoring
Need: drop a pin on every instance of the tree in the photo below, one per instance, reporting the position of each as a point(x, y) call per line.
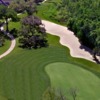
point(95, 36)
point(73, 93)
point(7, 13)
point(2, 40)
point(52, 94)
point(18, 6)
point(38, 1)
point(24, 5)
point(30, 7)
point(83, 18)
point(33, 33)
point(57, 94)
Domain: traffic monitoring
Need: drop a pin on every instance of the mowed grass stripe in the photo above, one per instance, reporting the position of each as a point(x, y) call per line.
point(20, 65)
point(23, 71)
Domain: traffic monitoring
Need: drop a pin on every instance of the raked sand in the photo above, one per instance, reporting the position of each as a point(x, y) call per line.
point(68, 39)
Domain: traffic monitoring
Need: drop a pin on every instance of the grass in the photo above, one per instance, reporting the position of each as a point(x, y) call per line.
point(5, 47)
point(13, 24)
point(22, 73)
point(2, 98)
point(65, 76)
point(48, 10)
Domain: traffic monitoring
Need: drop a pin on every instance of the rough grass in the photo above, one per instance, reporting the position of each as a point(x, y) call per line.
point(22, 72)
point(65, 76)
point(48, 10)
point(5, 47)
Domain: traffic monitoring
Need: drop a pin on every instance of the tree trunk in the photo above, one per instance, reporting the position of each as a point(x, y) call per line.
point(7, 29)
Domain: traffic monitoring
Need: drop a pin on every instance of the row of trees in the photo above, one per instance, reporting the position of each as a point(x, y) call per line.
point(20, 5)
point(82, 17)
point(32, 33)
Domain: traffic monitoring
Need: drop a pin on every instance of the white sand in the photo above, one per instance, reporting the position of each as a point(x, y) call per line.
point(68, 39)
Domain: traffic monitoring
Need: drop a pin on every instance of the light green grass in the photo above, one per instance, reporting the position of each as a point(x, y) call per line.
point(3, 98)
point(14, 25)
point(5, 47)
point(65, 76)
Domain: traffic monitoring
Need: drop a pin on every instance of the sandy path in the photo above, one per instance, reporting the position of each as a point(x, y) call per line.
point(68, 39)
point(12, 46)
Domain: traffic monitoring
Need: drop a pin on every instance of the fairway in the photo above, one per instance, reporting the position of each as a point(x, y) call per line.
point(23, 75)
point(65, 76)
point(47, 55)
point(22, 72)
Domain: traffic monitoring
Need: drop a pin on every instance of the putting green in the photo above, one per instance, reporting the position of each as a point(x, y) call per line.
point(3, 98)
point(65, 76)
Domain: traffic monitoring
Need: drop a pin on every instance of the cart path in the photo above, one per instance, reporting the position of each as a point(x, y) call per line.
point(12, 46)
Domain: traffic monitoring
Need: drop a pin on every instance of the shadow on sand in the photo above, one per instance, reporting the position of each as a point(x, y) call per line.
point(91, 52)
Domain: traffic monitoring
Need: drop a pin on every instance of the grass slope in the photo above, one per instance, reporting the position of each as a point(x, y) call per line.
point(65, 76)
point(48, 10)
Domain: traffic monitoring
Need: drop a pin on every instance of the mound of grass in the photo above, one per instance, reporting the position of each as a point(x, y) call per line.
point(65, 76)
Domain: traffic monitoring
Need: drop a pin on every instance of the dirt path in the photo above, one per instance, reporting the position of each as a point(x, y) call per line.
point(12, 46)
point(68, 39)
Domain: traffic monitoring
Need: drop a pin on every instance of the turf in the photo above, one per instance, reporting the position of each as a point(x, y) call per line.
point(22, 72)
point(65, 76)
point(5, 47)
point(2, 98)
point(48, 10)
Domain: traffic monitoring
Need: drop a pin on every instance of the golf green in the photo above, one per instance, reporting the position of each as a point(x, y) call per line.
point(65, 76)
point(3, 98)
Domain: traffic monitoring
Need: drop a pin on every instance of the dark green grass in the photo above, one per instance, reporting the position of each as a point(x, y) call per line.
point(22, 73)
point(65, 76)
point(5, 47)
point(48, 10)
